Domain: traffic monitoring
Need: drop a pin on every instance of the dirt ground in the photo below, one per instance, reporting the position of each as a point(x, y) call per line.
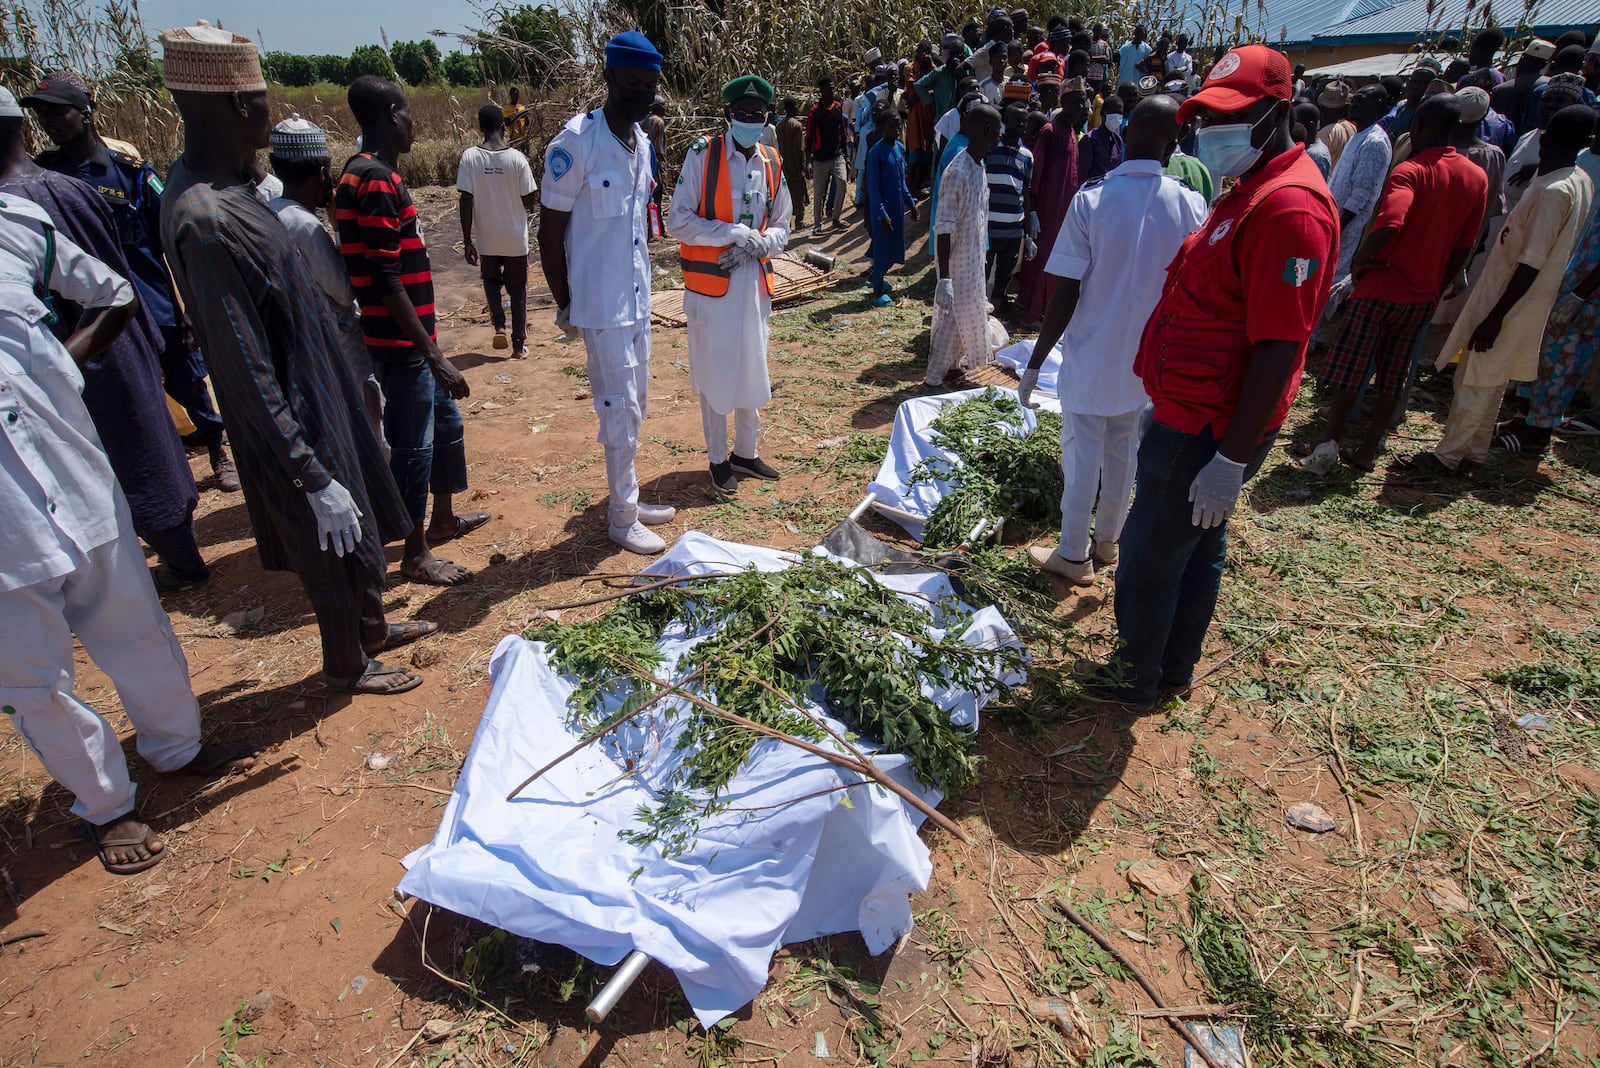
point(271, 934)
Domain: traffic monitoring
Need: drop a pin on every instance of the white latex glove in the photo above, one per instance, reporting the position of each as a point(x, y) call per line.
point(733, 257)
point(1565, 310)
point(757, 245)
point(1215, 491)
point(338, 518)
point(738, 234)
point(1341, 289)
point(1025, 388)
point(1030, 248)
point(564, 322)
point(944, 294)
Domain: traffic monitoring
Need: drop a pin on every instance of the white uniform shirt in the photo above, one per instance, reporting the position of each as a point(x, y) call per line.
point(497, 181)
point(728, 334)
point(606, 188)
point(1118, 238)
point(57, 493)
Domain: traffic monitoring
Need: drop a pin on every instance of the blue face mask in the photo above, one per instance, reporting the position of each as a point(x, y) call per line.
point(746, 134)
point(1226, 150)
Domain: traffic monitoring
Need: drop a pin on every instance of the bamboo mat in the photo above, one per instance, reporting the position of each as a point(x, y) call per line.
point(791, 280)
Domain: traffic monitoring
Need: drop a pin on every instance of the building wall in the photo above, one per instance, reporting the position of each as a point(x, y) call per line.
point(1325, 55)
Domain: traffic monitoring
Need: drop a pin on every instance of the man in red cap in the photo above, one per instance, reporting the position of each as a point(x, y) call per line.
point(1221, 359)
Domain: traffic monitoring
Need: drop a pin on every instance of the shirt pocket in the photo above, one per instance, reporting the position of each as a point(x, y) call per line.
point(608, 194)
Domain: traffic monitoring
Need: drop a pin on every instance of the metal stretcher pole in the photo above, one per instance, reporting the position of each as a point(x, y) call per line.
point(627, 972)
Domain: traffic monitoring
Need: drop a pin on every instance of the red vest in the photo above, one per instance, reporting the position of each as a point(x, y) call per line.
point(701, 272)
point(1196, 346)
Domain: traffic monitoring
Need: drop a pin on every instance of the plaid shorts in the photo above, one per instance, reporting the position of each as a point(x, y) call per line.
point(1375, 331)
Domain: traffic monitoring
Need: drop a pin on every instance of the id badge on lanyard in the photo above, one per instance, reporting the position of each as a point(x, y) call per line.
point(747, 217)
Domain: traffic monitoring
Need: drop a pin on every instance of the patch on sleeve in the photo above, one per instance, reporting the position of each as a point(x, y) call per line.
point(1297, 272)
point(560, 162)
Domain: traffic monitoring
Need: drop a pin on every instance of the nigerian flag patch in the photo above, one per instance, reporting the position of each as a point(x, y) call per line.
point(1297, 272)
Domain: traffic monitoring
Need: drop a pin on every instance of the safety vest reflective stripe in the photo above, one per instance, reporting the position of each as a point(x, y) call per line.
point(701, 271)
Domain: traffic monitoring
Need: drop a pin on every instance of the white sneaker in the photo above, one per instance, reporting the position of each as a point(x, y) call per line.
point(653, 515)
point(1079, 572)
point(1105, 553)
point(637, 539)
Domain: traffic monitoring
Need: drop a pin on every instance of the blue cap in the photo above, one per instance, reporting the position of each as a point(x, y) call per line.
point(632, 49)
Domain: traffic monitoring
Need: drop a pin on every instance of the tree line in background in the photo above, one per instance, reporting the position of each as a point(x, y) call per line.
point(522, 43)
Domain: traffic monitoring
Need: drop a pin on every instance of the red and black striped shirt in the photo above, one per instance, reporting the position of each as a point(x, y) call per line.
point(384, 253)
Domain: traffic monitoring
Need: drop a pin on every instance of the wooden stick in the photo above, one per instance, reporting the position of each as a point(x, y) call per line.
point(600, 732)
point(1149, 988)
point(671, 580)
point(864, 768)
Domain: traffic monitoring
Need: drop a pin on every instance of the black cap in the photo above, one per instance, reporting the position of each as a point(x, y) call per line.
point(56, 91)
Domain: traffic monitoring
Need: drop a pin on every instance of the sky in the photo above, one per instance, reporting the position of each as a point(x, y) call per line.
point(316, 27)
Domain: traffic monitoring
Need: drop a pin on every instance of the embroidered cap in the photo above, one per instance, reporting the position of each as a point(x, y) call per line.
point(297, 138)
point(204, 59)
point(1245, 75)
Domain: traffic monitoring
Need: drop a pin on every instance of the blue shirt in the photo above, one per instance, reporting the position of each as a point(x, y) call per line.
point(1129, 56)
point(1010, 172)
point(132, 191)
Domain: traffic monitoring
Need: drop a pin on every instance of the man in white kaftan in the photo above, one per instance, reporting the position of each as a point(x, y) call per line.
point(731, 210)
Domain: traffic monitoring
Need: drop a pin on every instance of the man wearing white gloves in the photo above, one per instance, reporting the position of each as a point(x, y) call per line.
point(1111, 258)
point(1221, 359)
point(319, 493)
point(593, 246)
point(731, 212)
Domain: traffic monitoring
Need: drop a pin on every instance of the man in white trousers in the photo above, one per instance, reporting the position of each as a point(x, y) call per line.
point(70, 563)
point(731, 212)
point(594, 248)
point(1111, 256)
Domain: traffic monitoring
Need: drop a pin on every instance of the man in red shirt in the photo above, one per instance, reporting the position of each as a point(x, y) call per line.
point(1425, 228)
point(1221, 358)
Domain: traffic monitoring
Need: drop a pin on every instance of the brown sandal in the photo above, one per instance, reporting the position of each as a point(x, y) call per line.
point(402, 634)
point(377, 679)
point(132, 834)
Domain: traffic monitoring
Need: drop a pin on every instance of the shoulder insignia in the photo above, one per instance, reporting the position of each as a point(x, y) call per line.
point(559, 162)
point(700, 142)
point(125, 159)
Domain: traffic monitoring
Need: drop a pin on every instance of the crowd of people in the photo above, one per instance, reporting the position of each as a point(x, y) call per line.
point(1180, 236)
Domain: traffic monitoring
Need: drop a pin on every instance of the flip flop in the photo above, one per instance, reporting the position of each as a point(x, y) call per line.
point(215, 759)
point(128, 837)
point(431, 573)
point(402, 634)
point(377, 679)
point(464, 524)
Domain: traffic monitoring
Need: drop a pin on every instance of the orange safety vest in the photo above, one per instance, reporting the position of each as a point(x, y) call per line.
point(701, 272)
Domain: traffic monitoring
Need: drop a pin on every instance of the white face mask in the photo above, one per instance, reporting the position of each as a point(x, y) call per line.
point(1226, 150)
point(1113, 123)
point(746, 134)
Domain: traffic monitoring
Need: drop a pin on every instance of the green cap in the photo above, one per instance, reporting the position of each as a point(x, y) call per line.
point(749, 85)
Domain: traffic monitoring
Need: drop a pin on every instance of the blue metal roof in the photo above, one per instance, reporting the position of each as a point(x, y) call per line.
point(1297, 21)
point(1300, 22)
point(1406, 20)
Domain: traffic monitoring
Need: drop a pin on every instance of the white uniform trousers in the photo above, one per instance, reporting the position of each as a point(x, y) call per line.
point(1099, 455)
point(111, 605)
point(619, 374)
point(746, 431)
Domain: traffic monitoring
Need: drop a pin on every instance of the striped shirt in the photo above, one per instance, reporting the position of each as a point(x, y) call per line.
point(1010, 172)
point(384, 253)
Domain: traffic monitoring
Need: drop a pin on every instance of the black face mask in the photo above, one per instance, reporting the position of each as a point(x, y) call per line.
point(635, 102)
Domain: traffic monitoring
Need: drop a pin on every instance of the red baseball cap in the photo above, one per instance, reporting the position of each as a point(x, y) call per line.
point(1245, 75)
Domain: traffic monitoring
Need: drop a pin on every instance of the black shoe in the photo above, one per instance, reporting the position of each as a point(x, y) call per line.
point(1104, 682)
point(755, 467)
point(722, 479)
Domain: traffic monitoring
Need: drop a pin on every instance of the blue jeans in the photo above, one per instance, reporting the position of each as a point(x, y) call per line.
point(427, 439)
point(1169, 570)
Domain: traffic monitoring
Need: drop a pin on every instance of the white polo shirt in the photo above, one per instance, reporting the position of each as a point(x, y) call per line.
point(592, 175)
point(1119, 235)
